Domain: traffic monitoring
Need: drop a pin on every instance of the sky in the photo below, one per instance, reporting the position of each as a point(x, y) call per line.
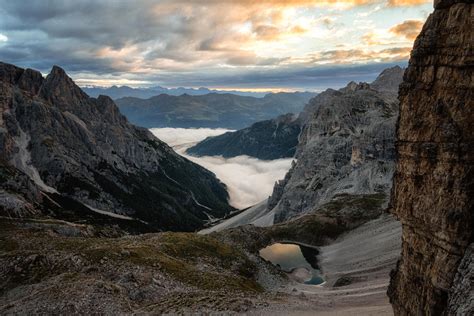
point(222, 44)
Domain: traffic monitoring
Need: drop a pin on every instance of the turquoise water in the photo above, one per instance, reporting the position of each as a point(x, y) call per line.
point(289, 256)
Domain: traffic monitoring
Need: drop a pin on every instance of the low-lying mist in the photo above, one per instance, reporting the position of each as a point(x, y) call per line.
point(249, 180)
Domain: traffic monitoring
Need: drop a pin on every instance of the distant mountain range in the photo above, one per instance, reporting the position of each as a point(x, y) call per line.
point(116, 92)
point(211, 110)
point(278, 138)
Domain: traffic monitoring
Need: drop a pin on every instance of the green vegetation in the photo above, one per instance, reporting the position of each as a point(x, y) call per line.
point(343, 213)
point(198, 261)
point(365, 202)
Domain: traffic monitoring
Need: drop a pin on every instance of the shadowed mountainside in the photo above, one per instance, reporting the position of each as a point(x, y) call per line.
point(70, 156)
point(267, 140)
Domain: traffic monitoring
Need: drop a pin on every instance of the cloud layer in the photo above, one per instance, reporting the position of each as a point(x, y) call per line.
point(409, 29)
point(249, 180)
point(168, 42)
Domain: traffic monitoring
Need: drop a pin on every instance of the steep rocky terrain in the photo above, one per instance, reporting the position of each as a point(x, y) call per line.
point(211, 110)
point(433, 184)
point(346, 146)
point(53, 266)
point(66, 155)
point(270, 139)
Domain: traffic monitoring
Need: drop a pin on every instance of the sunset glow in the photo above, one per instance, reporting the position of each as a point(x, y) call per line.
point(248, 45)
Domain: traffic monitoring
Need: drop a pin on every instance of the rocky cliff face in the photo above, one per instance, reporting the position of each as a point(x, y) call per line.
point(270, 139)
point(56, 143)
point(346, 146)
point(433, 184)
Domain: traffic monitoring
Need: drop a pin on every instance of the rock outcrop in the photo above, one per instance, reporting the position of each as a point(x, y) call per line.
point(433, 185)
point(270, 139)
point(346, 146)
point(69, 156)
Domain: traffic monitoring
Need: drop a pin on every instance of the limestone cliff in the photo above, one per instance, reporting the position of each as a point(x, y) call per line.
point(346, 146)
point(84, 158)
point(433, 185)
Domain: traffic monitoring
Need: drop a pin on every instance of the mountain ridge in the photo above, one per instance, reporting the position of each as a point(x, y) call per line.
point(80, 148)
point(267, 140)
point(347, 135)
point(117, 92)
point(211, 110)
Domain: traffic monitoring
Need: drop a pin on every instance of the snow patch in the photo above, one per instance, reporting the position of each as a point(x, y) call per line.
point(109, 213)
point(77, 120)
point(257, 215)
point(22, 161)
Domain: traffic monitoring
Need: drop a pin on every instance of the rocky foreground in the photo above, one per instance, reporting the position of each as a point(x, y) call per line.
point(47, 266)
point(77, 265)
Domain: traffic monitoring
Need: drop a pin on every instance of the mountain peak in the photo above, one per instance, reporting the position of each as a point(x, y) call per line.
point(59, 86)
point(26, 79)
point(58, 71)
point(389, 79)
point(354, 86)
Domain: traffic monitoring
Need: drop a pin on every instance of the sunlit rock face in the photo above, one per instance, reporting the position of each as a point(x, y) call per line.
point(346, 146)
point(433, 184)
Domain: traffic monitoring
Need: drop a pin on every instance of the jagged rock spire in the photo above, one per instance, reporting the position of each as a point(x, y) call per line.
point(59, 87)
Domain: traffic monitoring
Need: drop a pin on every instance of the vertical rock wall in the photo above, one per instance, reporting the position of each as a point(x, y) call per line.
point(433, 184)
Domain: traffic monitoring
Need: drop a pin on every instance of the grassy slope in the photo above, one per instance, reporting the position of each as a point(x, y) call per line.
point(50, 265)
point(34, 257)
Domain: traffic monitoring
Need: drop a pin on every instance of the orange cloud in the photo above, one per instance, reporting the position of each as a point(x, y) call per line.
point(370, 39)
point(287, 3)
point(378, 39)
point(406, 3)
point(298, 30)
point(267, 32)
point(279, 4)
point(321, 3)
point(272, 33)
point(408, 29)
point(350, 56)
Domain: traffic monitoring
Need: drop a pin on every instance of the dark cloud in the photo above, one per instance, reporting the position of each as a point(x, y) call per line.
point(309, 78)
point(174, 43)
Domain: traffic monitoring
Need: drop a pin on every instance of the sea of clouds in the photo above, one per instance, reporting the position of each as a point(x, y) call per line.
point(249, 180)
